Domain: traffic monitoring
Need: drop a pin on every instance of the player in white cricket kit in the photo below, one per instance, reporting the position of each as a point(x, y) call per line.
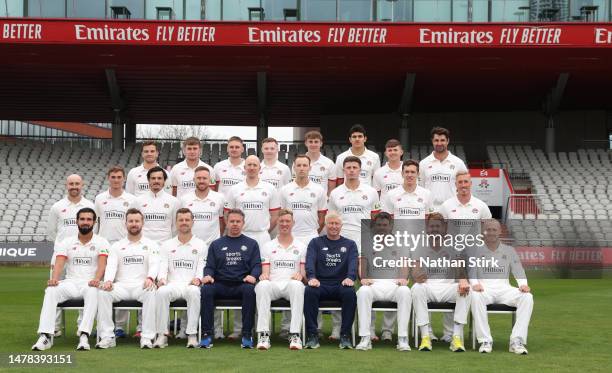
point(62, 224)
point(409, 200)
point(322, 170)
point(391, 284)
point(370, 161)
point(258, 200)
point(208, 222)
point(437, 283)
point(389, 176)
point(438, 170)
point(283, 261)
point(491, 285)
point(158, 208)
point(84, 258)
point(272, 170)
point(307, 200)
point(132, 267)
point(137, 182)
point(111, 206)
point(354, 201)
point(181, 176)
point(182, 261)
point(230, 171)
point(464, 206)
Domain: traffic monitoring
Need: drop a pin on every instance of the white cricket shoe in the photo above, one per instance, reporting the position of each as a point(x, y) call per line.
point(43, 343)
point(365, 344)
point(106, 343)
point(192, 341)
point(518, 347)
point(263, 341)
point(486, 347)
point(145, 343)
point(83, 342)
point(295, 343)
point(387, 336)
point(403, 344)
point(161, 341)
point(181, 335)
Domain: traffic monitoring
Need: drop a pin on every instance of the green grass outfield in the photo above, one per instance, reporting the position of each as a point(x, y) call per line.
point(570, 330)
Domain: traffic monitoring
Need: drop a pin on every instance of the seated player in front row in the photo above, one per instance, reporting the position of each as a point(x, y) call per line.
point(232, 268)
point(331, 270)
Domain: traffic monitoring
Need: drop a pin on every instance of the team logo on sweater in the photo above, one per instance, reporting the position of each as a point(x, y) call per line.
point(194, 251)
point(343, 249)
point(364, 197)
point(475, 210)
point(279, 172)
point(224, 248)
point(312, 195)
point(145, 248)
point(243, 248)
point(125, 204)
point(166, 205)
point(296, 252)
point(322, 168)
point(212, 204)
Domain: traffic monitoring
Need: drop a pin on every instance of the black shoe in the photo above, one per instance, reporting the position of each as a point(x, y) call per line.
point(345, 342)
point(312, 341)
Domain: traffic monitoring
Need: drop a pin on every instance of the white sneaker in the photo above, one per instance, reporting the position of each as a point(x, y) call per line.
point(83, 342)
point(235, 335)
point(161, 341)
point(364, 344)
point(192, 341)
point(486, 347)
point(106, 343)
point(181, 335)
point(145, 343)
point(263, 342)
point(43, 343)
point(295, 343)
point(387, 335)
point(403, 344)
point(518, 348)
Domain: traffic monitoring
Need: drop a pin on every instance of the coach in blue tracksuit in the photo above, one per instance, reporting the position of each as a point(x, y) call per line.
point(331, 270)
point(232, 267)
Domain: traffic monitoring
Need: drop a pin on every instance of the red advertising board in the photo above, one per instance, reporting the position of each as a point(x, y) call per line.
point(565, 256)
point(302, 34)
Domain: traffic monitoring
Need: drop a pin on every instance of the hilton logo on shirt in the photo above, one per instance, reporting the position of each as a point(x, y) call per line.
point(114, 214)
point(152, 216)
point(301, 206)
point(202, 216)
point(316, 179)
point(440, 178)
point(143, 187)
point(409, 211)
point(391, 186)
point(188, 184)
point(182, 264)
point(271, 181)
point(352, 209)
point(252, 206)
point(284, 264)
point(229, 182)
point(69, 222)
point(493, 270)
point(134, 259)
point(83, 261)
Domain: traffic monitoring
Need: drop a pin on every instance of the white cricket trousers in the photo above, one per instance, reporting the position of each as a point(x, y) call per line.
point(266, 291)
point(171, 292)
point(425, 292)
point(126, 291)
point(65, 290)
point(384, 291)
point(509, 296)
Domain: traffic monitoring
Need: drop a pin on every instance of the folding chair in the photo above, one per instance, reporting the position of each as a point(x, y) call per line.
point(69, 305)
point(492, 308)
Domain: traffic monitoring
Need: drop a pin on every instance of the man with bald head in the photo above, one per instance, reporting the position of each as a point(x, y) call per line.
point(62, 221)
point(260, 202)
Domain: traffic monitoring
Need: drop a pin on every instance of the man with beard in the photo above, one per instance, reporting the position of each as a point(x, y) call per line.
point(182, 261)
point(62, 224)
point(84, 258)
point(232, 267)
point(133, 263)
point(181, 176)
point(137, 182)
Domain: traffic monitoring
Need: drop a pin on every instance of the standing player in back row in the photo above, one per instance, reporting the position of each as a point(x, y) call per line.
point(137, 182)
point(438, 170)
point(181, 176)
point(389, 176)
point(322, 169)
point(272, 170)
point(230, 171)
point(370, 161)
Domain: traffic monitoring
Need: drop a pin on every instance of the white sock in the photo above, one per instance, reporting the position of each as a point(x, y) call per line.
point(424, 329)
point(458, 329)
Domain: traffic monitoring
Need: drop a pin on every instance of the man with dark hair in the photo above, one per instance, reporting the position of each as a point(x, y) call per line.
point(438, 170)
point(158, 207)
point(370, 161)
point(84, 258)
point(233, 266)
point(181, 176)
point(322, 169)
point(137, 182)
point(409, 200)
